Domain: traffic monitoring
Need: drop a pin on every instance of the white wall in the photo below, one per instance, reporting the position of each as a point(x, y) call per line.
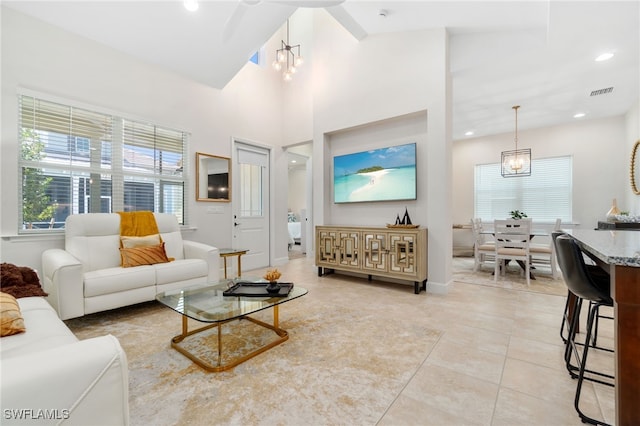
point(43, 58)
point(382, 134)
point(600, 164)
point(383, 77)
point(297, 190)
point(632, 201)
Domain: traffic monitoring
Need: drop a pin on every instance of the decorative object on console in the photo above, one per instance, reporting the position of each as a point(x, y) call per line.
point(20, 281)
point(516, 162)
point(613, 211)
point(404, 223)
point(406, 220)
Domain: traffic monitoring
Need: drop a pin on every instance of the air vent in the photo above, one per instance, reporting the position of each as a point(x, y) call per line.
point(602, 91)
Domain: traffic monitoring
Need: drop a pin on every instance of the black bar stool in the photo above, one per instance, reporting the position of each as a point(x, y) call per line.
point(585, 285)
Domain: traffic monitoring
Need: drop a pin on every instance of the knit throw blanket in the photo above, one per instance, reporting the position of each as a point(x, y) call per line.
point(137, 224)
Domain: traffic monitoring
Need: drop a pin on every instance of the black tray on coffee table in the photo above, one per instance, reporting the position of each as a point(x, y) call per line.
point(249, 289)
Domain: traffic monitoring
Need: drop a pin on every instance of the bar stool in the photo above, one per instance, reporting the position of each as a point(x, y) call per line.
point(583, 285)
point(602, 278)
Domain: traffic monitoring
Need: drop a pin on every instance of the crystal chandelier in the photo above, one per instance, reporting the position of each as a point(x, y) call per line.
point(516, 162)
point(288, 58)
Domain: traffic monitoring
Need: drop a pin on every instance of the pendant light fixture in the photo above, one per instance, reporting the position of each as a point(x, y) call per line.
point(516, 162)
point(288, 58)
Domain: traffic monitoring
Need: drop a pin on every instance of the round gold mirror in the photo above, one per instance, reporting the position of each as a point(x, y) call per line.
point(634, 171)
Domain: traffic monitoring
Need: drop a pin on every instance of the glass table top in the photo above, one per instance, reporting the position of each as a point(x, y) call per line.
point(206, 303)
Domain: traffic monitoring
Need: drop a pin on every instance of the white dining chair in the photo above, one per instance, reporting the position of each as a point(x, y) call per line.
point(545, 254)
point(483, 249)
point(512, 243)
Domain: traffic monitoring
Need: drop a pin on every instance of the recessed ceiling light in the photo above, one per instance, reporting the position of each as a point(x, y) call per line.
point(604, 57)
point(191, 5)
point(579, 115)
point(469, 133)
point(293, 161)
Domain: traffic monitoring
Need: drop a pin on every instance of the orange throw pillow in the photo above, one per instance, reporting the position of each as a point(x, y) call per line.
point(137, 256)
point(11, 321)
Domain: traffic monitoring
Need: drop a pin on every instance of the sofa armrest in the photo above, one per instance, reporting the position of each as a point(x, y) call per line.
point(210, 254)
point(83, 383)
point(63, 279)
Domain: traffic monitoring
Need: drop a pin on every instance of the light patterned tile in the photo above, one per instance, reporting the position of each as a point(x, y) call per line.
point(481, 339)
point(516, 408)
point(410, 411)
point(537, 352)
point(468, 359)
point(453, 392)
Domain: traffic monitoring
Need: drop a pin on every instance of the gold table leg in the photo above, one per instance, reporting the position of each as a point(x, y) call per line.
point(175, 342)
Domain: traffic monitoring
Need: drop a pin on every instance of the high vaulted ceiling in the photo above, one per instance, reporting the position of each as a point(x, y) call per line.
point(537, 54)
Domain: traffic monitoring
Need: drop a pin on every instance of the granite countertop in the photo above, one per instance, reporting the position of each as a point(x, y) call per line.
point(615, 247)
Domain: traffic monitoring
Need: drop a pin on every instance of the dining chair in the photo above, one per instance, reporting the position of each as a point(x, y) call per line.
point(512, 243)
point(545, 254)
point(483, 249)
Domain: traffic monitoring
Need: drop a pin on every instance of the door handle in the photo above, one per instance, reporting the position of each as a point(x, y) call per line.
point(235, 224)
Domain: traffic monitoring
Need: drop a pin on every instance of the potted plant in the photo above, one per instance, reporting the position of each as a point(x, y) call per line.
point(517, 214)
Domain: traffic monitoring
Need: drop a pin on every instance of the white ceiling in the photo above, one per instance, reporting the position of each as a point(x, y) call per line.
point(537, 54)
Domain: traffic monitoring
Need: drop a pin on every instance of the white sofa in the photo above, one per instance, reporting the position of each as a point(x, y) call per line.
point(86, 276)
point(50, 377)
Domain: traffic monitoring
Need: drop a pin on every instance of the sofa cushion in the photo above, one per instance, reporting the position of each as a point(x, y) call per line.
point(181, 270)
point(149, 240)
point(44, 330)
point(94, 239)
point(113, 280)
point(137, 256)
point(11, 321)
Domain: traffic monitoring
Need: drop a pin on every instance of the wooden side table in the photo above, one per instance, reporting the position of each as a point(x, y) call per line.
point(229, 252)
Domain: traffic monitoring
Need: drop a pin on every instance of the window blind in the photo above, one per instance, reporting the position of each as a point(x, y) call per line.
point(544, 196)
point(74, 160)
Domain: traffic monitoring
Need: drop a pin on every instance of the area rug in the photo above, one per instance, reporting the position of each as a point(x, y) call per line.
point(513, 279)
point(347, 359)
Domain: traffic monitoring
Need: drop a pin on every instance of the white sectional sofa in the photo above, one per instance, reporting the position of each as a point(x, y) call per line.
point(50, 377)
point(86, 276)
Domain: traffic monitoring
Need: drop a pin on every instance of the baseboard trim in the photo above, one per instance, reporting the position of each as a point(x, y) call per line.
point(438, 288)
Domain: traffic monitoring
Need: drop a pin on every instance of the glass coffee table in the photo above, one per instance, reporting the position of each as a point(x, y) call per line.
point(207, 304)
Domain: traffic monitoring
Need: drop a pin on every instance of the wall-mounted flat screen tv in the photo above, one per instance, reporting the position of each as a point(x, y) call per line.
point(218, 186)
point(384, 174)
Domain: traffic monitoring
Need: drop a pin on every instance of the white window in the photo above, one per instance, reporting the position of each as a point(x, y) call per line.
point(74, 160)
point(544, 196)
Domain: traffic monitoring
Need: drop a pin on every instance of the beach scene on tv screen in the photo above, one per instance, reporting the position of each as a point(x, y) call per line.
point(377, 175)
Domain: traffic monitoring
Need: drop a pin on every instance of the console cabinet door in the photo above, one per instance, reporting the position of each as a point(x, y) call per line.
point(327, 247)
point(348, 246)
point(375, 248)
point(402, 253)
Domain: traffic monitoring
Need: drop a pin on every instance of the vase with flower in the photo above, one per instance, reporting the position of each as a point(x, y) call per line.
point(272, 276)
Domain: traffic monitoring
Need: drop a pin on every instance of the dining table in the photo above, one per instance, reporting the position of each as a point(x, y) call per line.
point(618, 252)
point(532, 233)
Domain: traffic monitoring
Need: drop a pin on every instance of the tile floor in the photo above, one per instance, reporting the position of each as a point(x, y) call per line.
point(499, 361)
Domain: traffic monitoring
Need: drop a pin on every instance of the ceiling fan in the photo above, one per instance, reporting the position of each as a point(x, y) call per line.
point(244, 5)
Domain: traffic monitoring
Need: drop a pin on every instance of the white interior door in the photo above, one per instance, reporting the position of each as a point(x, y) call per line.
point(251, 204)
